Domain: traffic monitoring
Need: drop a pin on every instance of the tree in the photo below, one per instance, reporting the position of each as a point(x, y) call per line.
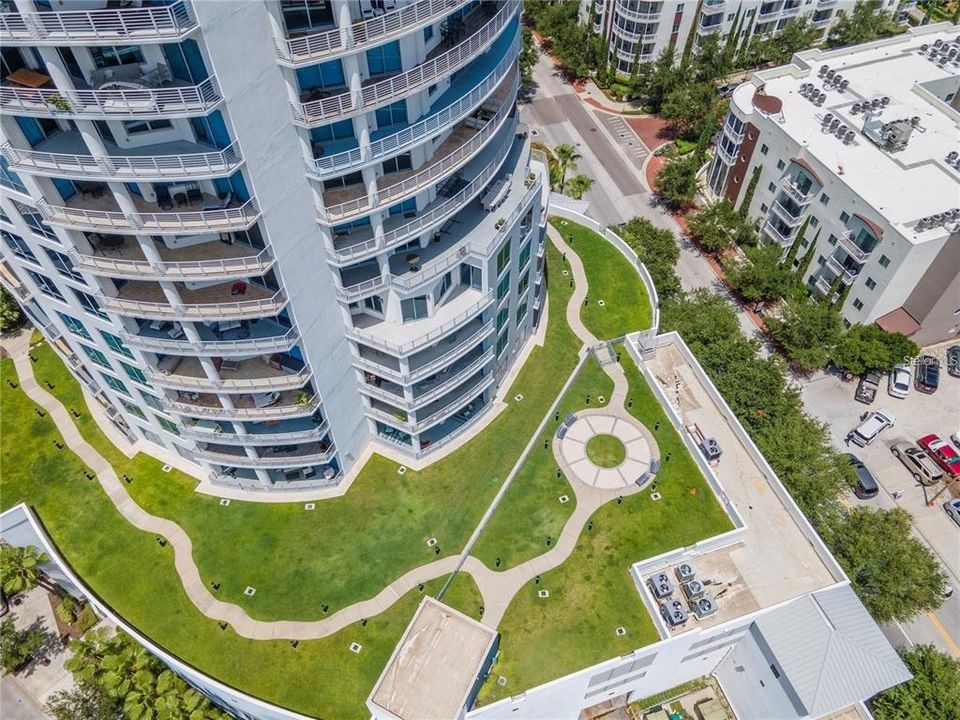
point(934, 691)
point(578, 185)
point(18, 646)
point(676, 183)
point(807, 332)
point(761, 277)
point(798, 34)
point(11, 316)
point(870, 347)
point(718, 226)
point(866, 22)
point(86, 701)
point(658, 251)
point(701, 317)
point(20, 568)
point(795, 245)
point(808, 255)
point(744, 208)
point(894, 575)
point(662, 77)
point(528, 56)
point(692, 107)
point(567, 157)
point(710, 63)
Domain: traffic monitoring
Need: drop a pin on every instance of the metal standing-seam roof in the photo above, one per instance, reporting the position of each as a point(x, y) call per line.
point(830, 650)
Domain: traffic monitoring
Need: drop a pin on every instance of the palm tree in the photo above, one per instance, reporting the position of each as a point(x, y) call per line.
point(578, 185)
point(567, 157)
point(20, 568)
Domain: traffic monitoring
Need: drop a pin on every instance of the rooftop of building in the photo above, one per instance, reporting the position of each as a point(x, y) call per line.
point(906, 76)
point(434, 666)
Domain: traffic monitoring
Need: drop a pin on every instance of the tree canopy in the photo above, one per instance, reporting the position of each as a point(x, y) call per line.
point(658, 250)
point(934, 691)
point(870, 347)
point(866, 22)
point(761, 277)
point(691, 108)
point(807, 331)
point(676, 182)
point(719, 226)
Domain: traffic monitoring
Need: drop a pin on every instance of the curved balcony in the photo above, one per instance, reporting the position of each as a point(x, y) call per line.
point(473, 386)
point(260, 338)
point(399, 86)
point(625, 11)
point(217, 260)
point(146, 300)
point(118, 26)
point(77, 215)
point(209, 431)
point(443, 385)
point(788, 218)
point(418, 133)
point(245, 407)
point(458, 149)
point(335, 42)
point(431, 217)
point(185, 166)
point(186, 101)
point(250, 376)
point(801, 195)
point(302, 455)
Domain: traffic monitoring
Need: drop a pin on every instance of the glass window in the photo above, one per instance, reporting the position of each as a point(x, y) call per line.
point(502, 342)
point(764, 149)
point(524, 283)
point(46, 285)
point(832, 240)
point(98, 357)
point(772, 187)
point(395, 114)
point(9, 179)
point(152, 401)
point(813, 221)
point(74, 326)
point(870, 283)
point(781, 165)
point(63, 265)
point(90, 305)
point(521, 313)
point(133, 409)
point(844, 216)
point(442, 288)
point(824, 198)
point(135, 374)
point(35, 222)
point(414, 308)
point(134, 127)
point(503, 287)
point(114, 383)
point(427, 32)
point(502, 317)
point(384, 59)
point(398, 163)
point(305, 14)
point(113, 56)
point(524, 255)
point(116, 344)
point(18, 246)
point(884, 261)
point(168, 425)
point(857, 304)
point(503, 257)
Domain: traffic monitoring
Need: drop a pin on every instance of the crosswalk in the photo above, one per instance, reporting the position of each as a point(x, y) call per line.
point(629, 143)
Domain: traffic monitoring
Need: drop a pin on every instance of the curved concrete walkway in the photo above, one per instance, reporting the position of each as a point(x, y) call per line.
point(496, 588)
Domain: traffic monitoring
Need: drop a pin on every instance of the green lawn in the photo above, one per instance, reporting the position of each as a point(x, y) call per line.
point(612, 279)
point(607, 451)
point(592, 593)
point(135, 575)
point(351, 547)
point(530, 510)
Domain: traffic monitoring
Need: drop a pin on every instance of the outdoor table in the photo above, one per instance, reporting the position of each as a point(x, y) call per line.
point(28, 78)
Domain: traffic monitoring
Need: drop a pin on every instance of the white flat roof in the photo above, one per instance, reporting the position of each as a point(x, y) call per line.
point(434, 666)
point(901, 186)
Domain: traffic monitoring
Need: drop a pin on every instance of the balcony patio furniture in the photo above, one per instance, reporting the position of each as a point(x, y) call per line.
point(238, 288)
point(169, 364)
point(163, 197)
point(93, 189)
point(262, 400)
point(207, 426)
point(28, 78)
point(229, 366)
point(111, 243)
point(175, 332)
point(194, 194)
point(221, 203)
point(130, 76)
point(180, 198)
point(496, 194)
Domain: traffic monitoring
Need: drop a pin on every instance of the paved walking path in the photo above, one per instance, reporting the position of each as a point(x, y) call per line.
point(496, 588)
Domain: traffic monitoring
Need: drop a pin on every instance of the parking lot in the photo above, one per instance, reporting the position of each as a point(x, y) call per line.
point(831, 400)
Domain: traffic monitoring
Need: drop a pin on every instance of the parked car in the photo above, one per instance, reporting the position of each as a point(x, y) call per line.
point(927, 375)
point(866, 486)
point(955, 439)
point(942, 454)
point(871, 426)
point(952, 508)
point(917, 462)
point(868, 386)
point(898, 384)
point(953, 360)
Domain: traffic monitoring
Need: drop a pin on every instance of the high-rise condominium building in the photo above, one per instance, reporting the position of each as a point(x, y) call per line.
point(853, 160)
point(639, 30)
point(266, 233)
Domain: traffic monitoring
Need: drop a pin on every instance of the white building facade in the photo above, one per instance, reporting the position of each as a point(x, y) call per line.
point(639, 30)
point(855, 156)
point(264, 234)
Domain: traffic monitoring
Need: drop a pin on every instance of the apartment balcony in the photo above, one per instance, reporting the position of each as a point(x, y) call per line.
point(212, 302)
point(317, 453)
point(102, 214)
point(437, 412)
point(115, 26)
point(727, 157)
point(259, 407)
point(791, 9)
point(12, 283)
point(623, 9)
point(823, 285)
point(177, 100)
point(709, 29)
point(459, 103)
point(204, 261)
point(360, 243)
point(253, 375)
point(280, 432)
point(849, 243)
point(418, 334)
point(782, 238)
point(801, 195)
point(711, 7)
point(245, 337)
point(65, 155)
point(848, 274)
point(335, 42)
point(786, 214)
point(439, 63)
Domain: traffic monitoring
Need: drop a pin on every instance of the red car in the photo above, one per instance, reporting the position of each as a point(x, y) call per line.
point(942, 453)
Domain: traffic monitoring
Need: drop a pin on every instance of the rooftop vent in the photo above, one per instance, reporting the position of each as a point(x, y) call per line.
point(820, 99)
point(857, 107)
point(830, 74)
point(848, 137)
point(693, 589)
point(685, 572)
point(661, 586)
point(704, 607)
point(843, 85)
point(673, 613)
point(828, 118)
point(834, 124)
point(823, 70)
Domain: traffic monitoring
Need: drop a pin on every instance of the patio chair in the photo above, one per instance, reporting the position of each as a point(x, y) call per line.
point(163, 197)
point(194, 194)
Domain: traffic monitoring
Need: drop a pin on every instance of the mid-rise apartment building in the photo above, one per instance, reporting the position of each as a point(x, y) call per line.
point(266, 233)
point(853, 157)
point(639, 30)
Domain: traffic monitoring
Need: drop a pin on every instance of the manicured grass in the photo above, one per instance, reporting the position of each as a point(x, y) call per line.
point(530, 510)
point(592, 593)
point(612, 279)
point(351, 547)
point(133, 574)
point(606, 451)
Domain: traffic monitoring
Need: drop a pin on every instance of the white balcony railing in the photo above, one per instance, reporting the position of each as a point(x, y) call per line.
point(455, 404)
point(405, 83)
point(425, 221)
point(425, 178)
point(785, 215)
point(237, 310)
point(121, 26)
point(623, 9)
point(112, 104)
point(848, 243)
point(255, 346)
point(123, 167)
point(161, 223)
point(272, 412)
point(779, 237)
point(799, 195)
point(194, 270)
point(376, 31)
point(453, 381)
point(352, 293)
point(190, 432)
point(290, 381)
point(419, 132)
point(274, 461)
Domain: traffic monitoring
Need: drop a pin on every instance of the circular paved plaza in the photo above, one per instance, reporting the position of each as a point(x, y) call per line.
point(637, 441)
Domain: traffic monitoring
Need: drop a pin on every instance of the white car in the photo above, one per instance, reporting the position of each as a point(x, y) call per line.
point(952, 508)
point(870, 427)
point(898, 384)
point(955, 439)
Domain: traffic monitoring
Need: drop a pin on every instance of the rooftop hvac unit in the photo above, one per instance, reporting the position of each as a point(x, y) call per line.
point(711, 449)
point(693, 589)
point(848, 137)
point(685, 572)
point(673, 613)
point(827, 118)
point(823, 70)
point(661, 586)
point(952, 156)
point(704, 607)
point(842, 130)
point(830, 74)
point(938, 42)
point(844, 84)
point(857, 107)
point(820, 98)
point(875, 103)
point(923, 48)
point(921, 224)
point(834, 124)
